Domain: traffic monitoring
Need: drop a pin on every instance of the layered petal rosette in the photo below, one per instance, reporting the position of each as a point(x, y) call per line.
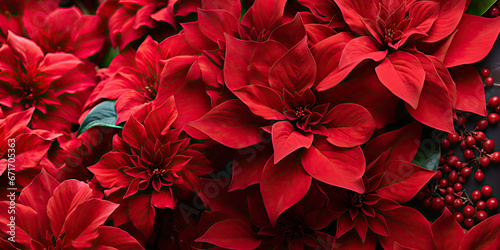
point(311, 136)
point(413, 43)
point(151, 161)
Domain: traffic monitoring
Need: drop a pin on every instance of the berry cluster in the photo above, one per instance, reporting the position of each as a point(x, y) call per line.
point(493, 11)
point(488, 80)
point(446, 188)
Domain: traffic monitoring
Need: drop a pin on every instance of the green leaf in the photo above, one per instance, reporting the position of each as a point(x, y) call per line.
point(479, 7)
point(429, 150)
point(103, 114)
point(110, 55)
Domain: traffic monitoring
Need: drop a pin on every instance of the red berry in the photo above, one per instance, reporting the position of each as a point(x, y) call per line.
point(493, 102)
point(497, 109)
point(453, 176)
point(453, 138)
point(450, 152)
point(493, 118)
point(481, 205)
point(437, 204)
point(482, 124)
point(495, 157)
point(492, 204)
point(468, 154)
point(486, 191)
point(488, 145)
point(458, 203)
point(451, 160)
point(470, 141)
point(461, 120)
point(485, 72)
point(462, 179)
point(468, 222)
point(438, 176)
point(466, 171)
point(445, 143)
point(489, 81)
point(458, 165)
point(463, 146)
point(427, 202)
point(469, 211)
point(443, 183)
point(449, 199)
point(450, 190)
point(457, 187)
point(442, 160)
point(475, 196)
point(459, 217)
point(479, 176)
point(442, 191)
point(484, 161)
point(481, 215)
point(493, 12)
point(446, 168)
point(479, 136)
point(420, 196)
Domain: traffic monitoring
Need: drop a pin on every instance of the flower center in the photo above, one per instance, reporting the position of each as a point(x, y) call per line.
point(389, 34)
point(292, 230)
point(149, 90)
point(301, 113)
point(357, 200)
point(158, 172)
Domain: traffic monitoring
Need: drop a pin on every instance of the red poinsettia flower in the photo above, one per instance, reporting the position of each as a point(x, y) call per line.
point(390, 178)
point(157, 72)
point(67, 30)
point(53, 215)
point(231, 226)
point(413, 43)
point(30, 79)
point(448, 234)
point(150, 161)
point(131, 19)
point(312, 137)
point(22, 150)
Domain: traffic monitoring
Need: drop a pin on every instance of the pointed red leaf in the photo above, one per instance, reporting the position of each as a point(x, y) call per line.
point(262, 101)
point(403, 75)
point(232, 124)
point(163, 198)
point(233, 7)
point(286, 140)
point(57, 64)
point(116, 238)
point(283, 185)
point(147, 57)
point(26, 223)
point(15, 123)
point(402, 180)
point(215, 23)
point(66, 197)
point(290, 34)
point(232, 234)
point(338, 167)
point(484, 235)
point(473, 41)
point(360, 49)
point(134, 133)
point(160, 119)
point(142, 213)
point(108, 170)
point(28, 51)
point(353, 11)
point(248, 165)
point(82, 223)
point(295, 71)
point(450, 12)
point(264, 15)
point(470, 90)
point(408, 227)
point(349, 125)
point(447, 232)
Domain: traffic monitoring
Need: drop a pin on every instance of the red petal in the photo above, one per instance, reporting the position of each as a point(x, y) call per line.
point(231, 234)
point(403, 75)
point(447, 232)
point(26, 224)
point(353, 11)
point(66, 197)
point(15, 123)
point(473, 41)
point(160, 119)
point(215, 23)
point(335, 166)
point(57, 64)
point(262, 101)
point(351, 240)
point(360, 49)
point(147, 58)
point(245, 64)
point(248, 165)
point(402, 180)
point(407, 227)
point(82, 223)
point(295, 71)
point(233, 7)
point(232, 124)
point(116, 238)
point(29, 52)
point(327, 54)
point(286, 140)
point(142, 213)
point(134, 133)
point(164, 198)
point(283, 185)
point(108, 170)
point(264, 15)
point(484, 235)
point(291, 33)
point(470, 90)
point(450, 12)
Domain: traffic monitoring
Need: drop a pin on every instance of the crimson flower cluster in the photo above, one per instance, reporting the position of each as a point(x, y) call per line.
point(252, 124)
